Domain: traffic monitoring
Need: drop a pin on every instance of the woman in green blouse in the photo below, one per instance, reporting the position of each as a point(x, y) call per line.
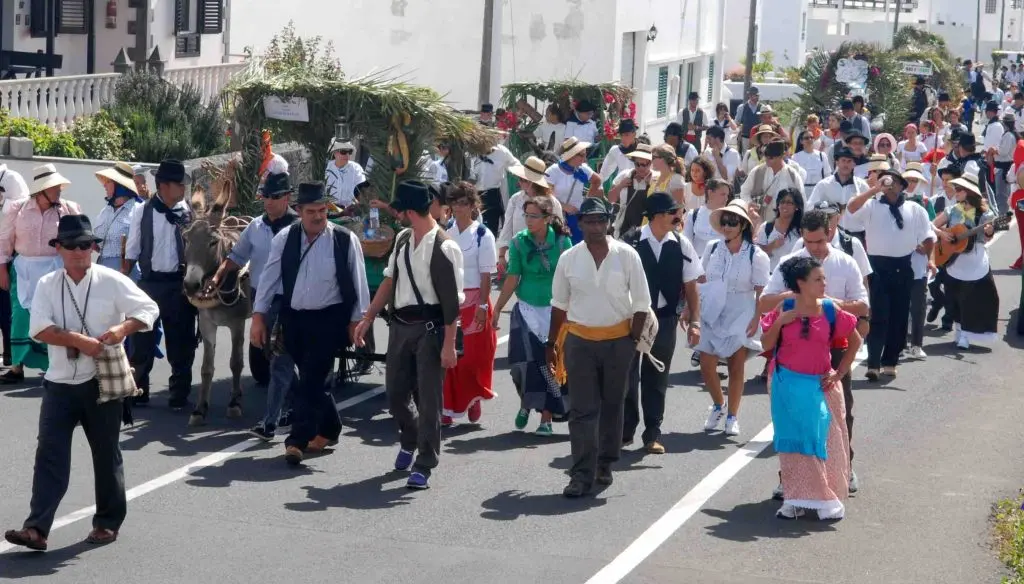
point(533, 254)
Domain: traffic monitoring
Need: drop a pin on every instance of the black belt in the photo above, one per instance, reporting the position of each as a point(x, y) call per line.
point(879, 261)
point(154, 276)
point(419, 314)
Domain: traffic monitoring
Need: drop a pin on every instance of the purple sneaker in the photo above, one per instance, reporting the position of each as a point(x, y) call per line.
point(417, 480)
point(404, 460)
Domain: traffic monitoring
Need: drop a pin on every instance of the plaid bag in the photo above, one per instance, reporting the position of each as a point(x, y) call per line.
point(113, 371)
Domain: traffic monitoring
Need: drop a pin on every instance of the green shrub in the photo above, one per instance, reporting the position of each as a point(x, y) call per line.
point(1008, 518)
point(101, 138)
point(159, 120)
point(45, 141)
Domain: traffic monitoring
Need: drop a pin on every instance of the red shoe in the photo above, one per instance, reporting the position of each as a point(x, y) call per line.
point(447, 421)
point(1018, 264)
point(474, 413)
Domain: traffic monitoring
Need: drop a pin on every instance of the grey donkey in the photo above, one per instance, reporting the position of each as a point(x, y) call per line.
point(208, 240)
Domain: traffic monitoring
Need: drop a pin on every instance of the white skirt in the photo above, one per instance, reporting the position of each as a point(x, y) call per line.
point(727, 332)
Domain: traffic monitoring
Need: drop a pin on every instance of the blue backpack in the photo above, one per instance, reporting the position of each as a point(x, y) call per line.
point(826, 304)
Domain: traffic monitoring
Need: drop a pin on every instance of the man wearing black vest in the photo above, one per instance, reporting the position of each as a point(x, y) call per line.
point(423, 289)
point(318, 268)
point(155, 242)
point(672, 268)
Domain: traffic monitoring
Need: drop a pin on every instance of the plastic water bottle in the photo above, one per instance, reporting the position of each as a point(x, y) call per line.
point(374, 223)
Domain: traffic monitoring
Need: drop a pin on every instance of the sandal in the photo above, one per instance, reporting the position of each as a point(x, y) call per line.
point(28, 537)
point(100, 536)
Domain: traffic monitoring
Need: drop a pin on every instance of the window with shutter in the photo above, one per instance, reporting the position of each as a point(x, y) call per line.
point(711, 78)
point(662, 92)
point(182, 16)
point(73, 17)
point(211, 16)
point(37, 18)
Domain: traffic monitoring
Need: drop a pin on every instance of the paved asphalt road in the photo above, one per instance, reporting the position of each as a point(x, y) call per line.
point(935, 447)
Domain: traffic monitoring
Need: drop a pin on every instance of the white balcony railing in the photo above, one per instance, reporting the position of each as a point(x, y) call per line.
point(59, 101)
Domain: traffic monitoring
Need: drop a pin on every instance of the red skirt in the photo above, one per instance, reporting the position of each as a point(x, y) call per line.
point(470, 380)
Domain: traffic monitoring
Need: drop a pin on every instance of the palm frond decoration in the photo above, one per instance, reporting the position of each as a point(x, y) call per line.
point(396, 120)
point(914, 44)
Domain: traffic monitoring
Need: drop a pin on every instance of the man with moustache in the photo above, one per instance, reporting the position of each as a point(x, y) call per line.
point(318, 269)
point(423, 289)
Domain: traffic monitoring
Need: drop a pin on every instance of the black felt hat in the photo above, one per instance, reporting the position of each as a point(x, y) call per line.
point(595, 206)
point(412, 196)
point(311, 193)
point(172, 170)
point(660, 203)
point(276, 186)
point(74, 230)
point(627, 126)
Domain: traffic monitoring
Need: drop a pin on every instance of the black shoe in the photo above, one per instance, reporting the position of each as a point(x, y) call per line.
point(10, 377)
point(933, 313)
point(947, 326)
point(604, 475)
point(265, 434)
point(285, 420)
point(575, 489)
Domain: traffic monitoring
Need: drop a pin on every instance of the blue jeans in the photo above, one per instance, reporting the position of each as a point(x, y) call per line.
point(282, 371)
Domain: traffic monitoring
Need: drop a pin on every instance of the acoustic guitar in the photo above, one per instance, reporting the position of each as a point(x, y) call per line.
point(947, 250)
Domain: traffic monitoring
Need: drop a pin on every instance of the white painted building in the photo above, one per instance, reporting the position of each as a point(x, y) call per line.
point(533, 40)
point(189, 33)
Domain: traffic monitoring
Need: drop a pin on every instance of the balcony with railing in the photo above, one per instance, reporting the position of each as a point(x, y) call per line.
point(59, 101)
point(879, 5)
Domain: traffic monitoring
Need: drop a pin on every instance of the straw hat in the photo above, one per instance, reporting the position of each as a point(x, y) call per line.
point(45, 177)
point(121, 173)
point(572, 147)
point(643, 152)
point(736, 207)
point(534, 171)
point(914, 171)
point(765, 129)
point(968, 182)
point(337, 145)
point(878, 162)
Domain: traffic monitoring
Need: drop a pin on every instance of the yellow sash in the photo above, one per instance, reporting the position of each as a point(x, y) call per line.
point(590, 333)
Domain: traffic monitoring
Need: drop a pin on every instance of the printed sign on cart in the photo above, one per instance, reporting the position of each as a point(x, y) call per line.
point(924, 70)
point(295, 109)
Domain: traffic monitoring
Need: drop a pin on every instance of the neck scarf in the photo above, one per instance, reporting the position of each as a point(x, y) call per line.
point(968, 212)
point(577, 173)
point(276, 225)
point(627, 149)
point(540, 251)
point(894, 208)
point(175, 217)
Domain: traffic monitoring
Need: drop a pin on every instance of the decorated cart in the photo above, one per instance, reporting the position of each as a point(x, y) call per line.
point(395, 122)
point(523, 106)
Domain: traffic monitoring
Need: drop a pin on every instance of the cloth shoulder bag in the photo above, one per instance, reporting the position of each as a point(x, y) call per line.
point(113, 371)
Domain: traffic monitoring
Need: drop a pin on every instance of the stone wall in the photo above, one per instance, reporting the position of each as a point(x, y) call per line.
point(300, 167)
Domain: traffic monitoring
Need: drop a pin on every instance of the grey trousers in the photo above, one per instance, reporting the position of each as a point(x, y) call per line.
point(414, 361)
point(598, 378)
point(64, 407)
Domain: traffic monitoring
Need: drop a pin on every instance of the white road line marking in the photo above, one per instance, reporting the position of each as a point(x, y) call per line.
point(681, 512)
point(207, 461)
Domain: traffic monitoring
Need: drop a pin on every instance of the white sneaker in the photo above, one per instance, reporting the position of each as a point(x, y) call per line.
point(788, 511)
point(962, 342)
point(854, 483)
point(732, 426)
point(916, 353)
point(715, 416)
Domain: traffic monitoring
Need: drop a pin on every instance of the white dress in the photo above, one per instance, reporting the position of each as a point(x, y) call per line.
point(780, 252)
point(699, 232)
point(728, 300)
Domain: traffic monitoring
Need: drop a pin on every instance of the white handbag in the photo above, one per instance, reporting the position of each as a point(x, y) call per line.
point(646, 342)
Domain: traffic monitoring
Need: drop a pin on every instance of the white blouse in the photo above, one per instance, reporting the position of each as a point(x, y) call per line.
point(740, 273)
point(911, 155)
point(815, 163)
point(699, 232)
point(787, 247)
point(544, 133)
point(478, 253)
point(566, 188)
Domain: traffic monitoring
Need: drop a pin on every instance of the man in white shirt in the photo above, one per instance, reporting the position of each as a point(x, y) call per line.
point(894, 231)
point(841, 240)
point(78, 312)
point(343, 174)
point(724, 158)
point(155, 241)
point(768, 179)
point(692, 119)
point(844, 283)
point(581, 123)
point(424, 307)
point(841, 187)
point(600, 296)
point(491, 183)
point(617, 161)
point(671, 267)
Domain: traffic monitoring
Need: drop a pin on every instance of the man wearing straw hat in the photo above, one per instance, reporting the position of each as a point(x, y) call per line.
point(26, 227)
point(635, 183)
point(894, 232)
point(770, 177)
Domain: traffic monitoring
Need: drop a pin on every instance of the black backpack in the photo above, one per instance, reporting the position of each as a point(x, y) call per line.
point(846, 242)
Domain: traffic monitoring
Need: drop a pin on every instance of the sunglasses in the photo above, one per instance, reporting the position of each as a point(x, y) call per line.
point(805, 327)
point(729, 221)
point(642, 164)
point(534, 215)
point(345, 152)
point(76, 246)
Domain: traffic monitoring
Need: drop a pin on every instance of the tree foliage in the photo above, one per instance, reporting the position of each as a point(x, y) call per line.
point(287, 52)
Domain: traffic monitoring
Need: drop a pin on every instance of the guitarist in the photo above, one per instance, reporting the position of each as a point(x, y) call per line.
point(971, 296)
point(894, 231)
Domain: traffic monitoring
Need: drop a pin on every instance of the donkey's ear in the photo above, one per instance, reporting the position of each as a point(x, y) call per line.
point(199, 201)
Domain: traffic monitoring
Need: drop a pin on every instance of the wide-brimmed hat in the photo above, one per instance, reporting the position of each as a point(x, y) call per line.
point(311, 193)
point(337, 145)
point(172, 170)
point(121, 173)
point(736, 207)
point(595, 206)
point(534, 170)
point(276, 185)
point(895, 175)
point(412, 196)
point(642, 151)
point(968, 182)
point(765, 109)
point(660, 203)
point(878, 162)
point(74, 230)
point(765, 129)
point(45, 177)
point(914, 170)
point(572, 147)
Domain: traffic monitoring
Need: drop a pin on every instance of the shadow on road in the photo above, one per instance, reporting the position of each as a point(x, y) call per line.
point(28, 564)
point(754, 521)
point(680, 443)
point(502, 442)
point(366, 494)
point(511, 505)
point(247, 470)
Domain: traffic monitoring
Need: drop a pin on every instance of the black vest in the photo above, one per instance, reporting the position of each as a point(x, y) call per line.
point(146, 244)
point(665, 274)
point(633, 216)
point(442, 275)
point(342, 270)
